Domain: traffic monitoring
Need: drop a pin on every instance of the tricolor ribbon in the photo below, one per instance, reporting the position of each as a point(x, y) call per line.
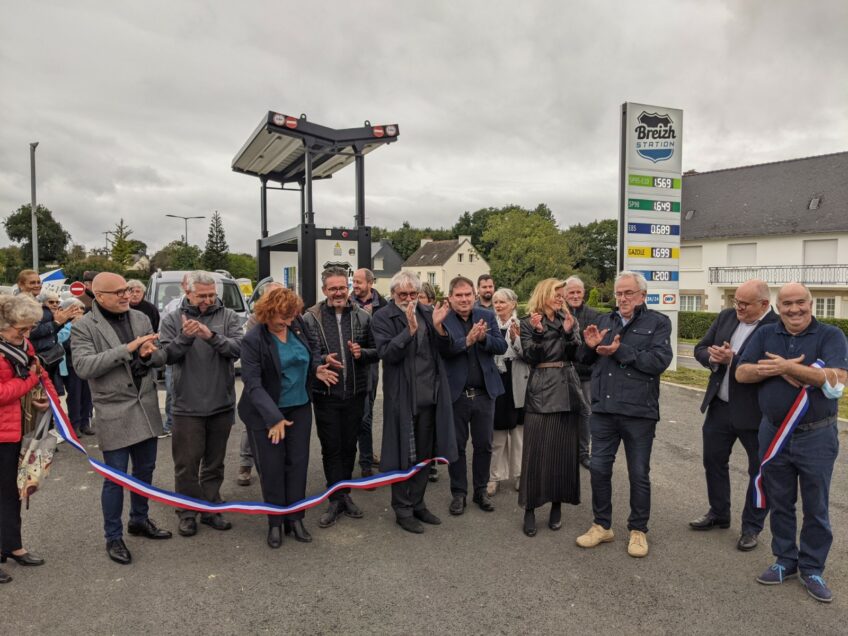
point(245, 507)
point(784, 432)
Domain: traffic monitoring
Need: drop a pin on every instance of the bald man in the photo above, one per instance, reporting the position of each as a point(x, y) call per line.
point(778, 359)
point(114, 348)
point(732, 410)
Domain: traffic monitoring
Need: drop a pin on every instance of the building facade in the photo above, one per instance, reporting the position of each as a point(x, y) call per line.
point(437, 262)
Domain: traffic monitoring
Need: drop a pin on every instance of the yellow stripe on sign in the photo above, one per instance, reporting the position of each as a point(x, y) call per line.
point(653, 252)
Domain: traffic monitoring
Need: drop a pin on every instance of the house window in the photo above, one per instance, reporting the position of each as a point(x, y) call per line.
point(470, 257)
point(690, 303)
point(459, 257)
point(431, 278)
point(378, 263)
point(826, 307)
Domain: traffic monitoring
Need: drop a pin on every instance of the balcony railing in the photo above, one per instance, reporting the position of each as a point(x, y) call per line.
point(780, 274)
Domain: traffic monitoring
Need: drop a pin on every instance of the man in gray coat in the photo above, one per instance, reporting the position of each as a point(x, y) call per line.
point(202, 340)
point(114, 349)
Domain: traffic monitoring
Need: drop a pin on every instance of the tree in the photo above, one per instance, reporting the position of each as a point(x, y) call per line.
point(592, 248)
point(98, 263)
point(52, 238)
point(12, 263)
point(215, 255)
point(407, 239)
point(176, 255)
point(475, 224)
point(241, 266)
point(527, 246)
point(122, 250)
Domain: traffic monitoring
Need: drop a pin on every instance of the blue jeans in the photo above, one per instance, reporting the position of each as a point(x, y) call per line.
point(143, 455)
point(637, 433)
point(807, 460)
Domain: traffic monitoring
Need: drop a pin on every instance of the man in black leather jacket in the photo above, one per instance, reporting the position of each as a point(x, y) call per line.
point(629, 348)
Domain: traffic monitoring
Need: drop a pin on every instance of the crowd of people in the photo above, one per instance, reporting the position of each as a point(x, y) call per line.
point(538, 396)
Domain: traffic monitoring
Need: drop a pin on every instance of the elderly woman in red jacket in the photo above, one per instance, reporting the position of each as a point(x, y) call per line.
point(19, 373)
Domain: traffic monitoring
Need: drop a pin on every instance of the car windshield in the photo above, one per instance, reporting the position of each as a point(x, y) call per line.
point(228, 292)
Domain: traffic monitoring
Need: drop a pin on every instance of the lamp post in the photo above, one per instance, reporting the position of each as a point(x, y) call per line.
point(186, 220)
point(33, 207)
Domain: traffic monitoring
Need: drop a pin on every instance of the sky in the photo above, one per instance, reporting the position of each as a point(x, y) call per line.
point(139, 108)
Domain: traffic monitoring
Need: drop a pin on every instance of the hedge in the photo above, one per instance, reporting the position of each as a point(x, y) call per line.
point(694, 324)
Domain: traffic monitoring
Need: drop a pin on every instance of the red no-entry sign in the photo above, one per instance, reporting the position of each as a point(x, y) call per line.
point(77, 288)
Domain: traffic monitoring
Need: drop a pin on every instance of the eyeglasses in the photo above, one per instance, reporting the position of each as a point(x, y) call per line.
point(211, 296)
point(54, 302)
point(628, 294)
point(409, 294)
point(22, 331)
point(336, 290)
point(117, 292)
point(743, 305)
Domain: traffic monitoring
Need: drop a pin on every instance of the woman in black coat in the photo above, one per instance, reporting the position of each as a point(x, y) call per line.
point(552, 407)
point(277, 369)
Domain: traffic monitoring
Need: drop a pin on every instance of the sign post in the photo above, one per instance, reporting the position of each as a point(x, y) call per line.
point(77, 288)
point(650, 190)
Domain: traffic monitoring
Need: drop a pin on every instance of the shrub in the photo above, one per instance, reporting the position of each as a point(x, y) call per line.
point(841, 323)
point(694, 324)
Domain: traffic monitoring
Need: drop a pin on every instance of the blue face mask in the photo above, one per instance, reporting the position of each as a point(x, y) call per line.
point(832, 391)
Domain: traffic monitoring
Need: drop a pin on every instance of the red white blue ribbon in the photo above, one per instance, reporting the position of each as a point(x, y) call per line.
point(245, 507)
point(784, 432)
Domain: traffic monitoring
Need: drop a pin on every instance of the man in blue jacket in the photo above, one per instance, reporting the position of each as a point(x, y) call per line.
point(629, 349)
point(474, 384)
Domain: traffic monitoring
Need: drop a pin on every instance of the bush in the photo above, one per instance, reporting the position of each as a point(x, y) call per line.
point(840, 323)
point(694, 324)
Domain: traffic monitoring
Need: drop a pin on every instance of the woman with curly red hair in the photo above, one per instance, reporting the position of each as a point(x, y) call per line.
point(277, 368)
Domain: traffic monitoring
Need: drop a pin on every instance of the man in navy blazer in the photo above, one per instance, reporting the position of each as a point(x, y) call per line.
point(733, 411)
point(474, 384)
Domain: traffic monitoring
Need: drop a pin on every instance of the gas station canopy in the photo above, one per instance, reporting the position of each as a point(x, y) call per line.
point(275, 151)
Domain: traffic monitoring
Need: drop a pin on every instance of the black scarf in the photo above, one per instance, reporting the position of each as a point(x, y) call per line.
point(17, 357)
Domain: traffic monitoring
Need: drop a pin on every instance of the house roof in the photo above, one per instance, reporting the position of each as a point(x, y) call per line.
point(434, 253)
point(767, 199)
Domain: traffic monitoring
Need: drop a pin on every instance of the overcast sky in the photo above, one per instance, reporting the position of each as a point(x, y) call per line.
point(139, 107)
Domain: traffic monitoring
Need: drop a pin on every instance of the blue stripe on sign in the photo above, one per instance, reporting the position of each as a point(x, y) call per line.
point(654, 229)
point(659, 276)
point(653, 299)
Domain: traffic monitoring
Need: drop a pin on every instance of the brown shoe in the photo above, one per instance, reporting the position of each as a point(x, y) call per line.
point(638, 546)
point(596, 535)
point(244, 476)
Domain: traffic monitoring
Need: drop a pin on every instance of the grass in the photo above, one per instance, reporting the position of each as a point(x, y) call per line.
point(698, 378)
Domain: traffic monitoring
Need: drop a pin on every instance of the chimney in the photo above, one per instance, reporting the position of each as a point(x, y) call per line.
point(463, 237)
point(424, 241)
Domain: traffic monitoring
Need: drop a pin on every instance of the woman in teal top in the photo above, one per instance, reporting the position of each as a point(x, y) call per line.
point(277, 369)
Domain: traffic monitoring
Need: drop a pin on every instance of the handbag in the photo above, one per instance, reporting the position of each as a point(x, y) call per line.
point(50, 358)
point(36, 459)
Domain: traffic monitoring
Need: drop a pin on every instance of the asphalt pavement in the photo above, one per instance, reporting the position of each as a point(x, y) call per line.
point(474, 574)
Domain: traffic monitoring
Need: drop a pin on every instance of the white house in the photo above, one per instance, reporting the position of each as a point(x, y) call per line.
point(437, 262)
point(781, 222)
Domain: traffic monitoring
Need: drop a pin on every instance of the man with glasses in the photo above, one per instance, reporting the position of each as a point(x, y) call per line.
point(778, 359)
point(341, 337)
point(417, 409)
point(629, 349)
point(732, 409)
point(114, 349)
point(202, 340)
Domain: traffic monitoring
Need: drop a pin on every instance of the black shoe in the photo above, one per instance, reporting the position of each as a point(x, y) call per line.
point(747, 542)
point(708, 522)
point(410, 524)
point(555, 520)
point(369, 472)
point(434, 474)
point(586, 462)
point(351, 509)
point(148, 529)
point(118, 552)
point(216, 521)
point(5, 578)
point(529, 523)
point(427, 517)
point(300, 533)
point(457, 506)
point(334, 510)
point(482, 500)
point(187, 527)
point(87, 430)
point(27, 558)
point(275, 537)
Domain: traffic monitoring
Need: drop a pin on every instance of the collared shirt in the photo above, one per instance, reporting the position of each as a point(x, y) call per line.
point(817, 342)
point(740, 335)
point(475, 378)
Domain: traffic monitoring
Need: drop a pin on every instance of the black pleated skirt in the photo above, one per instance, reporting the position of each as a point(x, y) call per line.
point(550, 470)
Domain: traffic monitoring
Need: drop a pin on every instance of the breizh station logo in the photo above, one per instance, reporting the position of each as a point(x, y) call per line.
point(655, 137)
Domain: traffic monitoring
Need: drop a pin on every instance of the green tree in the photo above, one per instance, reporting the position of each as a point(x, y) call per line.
point(592, 248)
point(98, 263)
point(12, 263)
point(527, 246)
point(475, 224)
point(52, 238)
point(407, 239)
point(215, 255)
point(241, 266)
point(176, 255)
point(122, 249)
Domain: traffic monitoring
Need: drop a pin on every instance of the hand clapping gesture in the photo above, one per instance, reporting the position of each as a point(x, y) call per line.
point(536, 322)
point(411, 319)
point(477, 333)
point(440, 312)
point(593, 337)
point(722, 354)
point(326, 374)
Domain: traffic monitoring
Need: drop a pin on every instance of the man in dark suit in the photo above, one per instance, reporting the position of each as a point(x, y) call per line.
point(732, 409)
point(474, 384)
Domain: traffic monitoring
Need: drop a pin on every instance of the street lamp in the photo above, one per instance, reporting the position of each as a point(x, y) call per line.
point(33, 207)
point(186, 219)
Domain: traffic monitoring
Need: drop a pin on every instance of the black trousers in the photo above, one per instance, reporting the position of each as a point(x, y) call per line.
point(198, 447)
point(10, 504)
point(408, 496)
point(338, 423)
point(719, 437)
point(282, 467)
point(476, 414)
